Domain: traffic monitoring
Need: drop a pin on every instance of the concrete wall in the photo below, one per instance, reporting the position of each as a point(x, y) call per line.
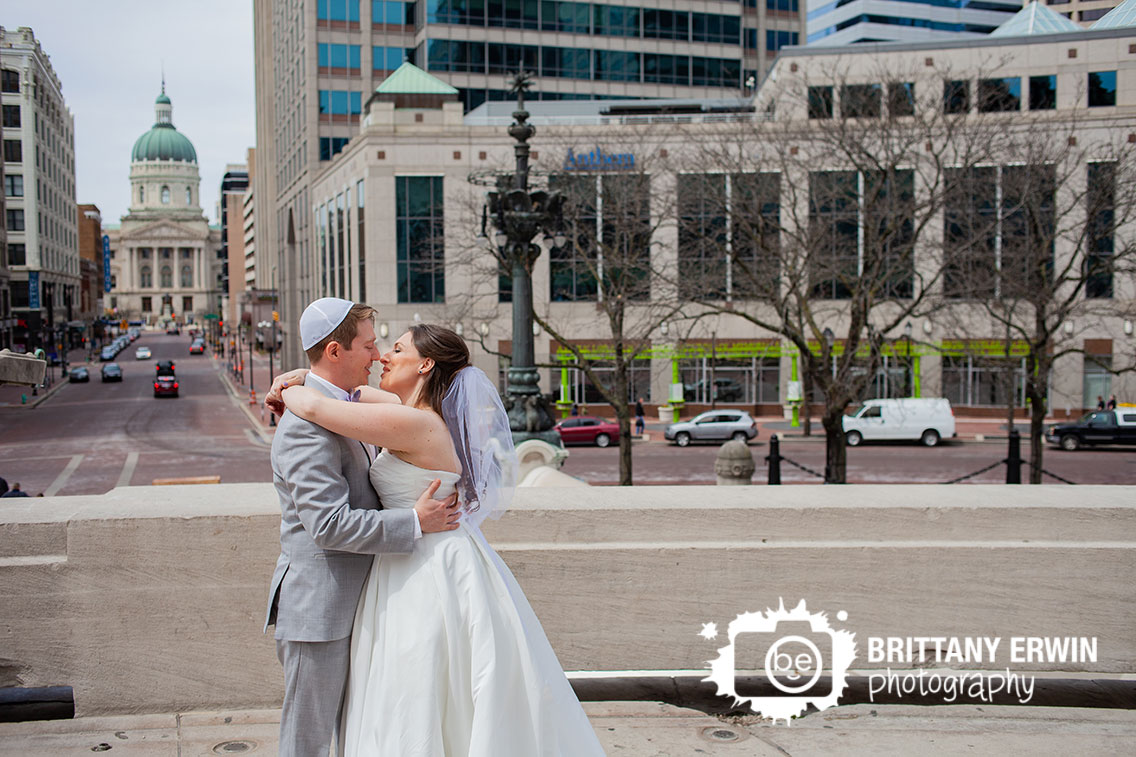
point(151, 599)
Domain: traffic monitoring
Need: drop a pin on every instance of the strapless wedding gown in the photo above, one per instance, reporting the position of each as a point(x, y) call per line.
point(447, 656)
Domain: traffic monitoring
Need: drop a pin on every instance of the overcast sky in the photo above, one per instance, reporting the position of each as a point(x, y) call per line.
point(108, 54)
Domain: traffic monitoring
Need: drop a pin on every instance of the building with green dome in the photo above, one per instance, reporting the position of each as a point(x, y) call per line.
point(164, 256)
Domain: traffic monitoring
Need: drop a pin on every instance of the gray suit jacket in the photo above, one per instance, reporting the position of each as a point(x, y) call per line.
point(331, 525)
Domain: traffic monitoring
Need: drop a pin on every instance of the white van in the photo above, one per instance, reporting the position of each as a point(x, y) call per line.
point(928, 420)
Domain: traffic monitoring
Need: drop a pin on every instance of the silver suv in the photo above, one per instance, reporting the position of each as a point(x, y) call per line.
point(713, 425)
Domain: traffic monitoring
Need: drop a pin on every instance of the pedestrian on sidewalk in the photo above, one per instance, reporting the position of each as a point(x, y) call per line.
point(640, 421)
point(1112, 402)
point(16, 491)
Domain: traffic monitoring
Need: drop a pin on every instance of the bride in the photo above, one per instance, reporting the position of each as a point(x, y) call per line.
point(447, 656)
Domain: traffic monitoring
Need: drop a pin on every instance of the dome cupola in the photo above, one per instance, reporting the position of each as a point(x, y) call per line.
point(163, 141)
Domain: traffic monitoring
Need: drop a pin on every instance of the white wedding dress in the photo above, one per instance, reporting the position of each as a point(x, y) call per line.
point(447, 656)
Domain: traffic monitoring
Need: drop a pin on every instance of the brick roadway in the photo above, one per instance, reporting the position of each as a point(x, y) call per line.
point(88, 438)
point(657, 462)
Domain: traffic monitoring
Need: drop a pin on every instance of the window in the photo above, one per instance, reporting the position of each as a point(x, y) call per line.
point(338, 10)
point(165, 195)
point(1043, 92)
point(396, 13)
point(625, 236)
point(702, 246)
point(11, 116)
point(712, 27)
point(1102, 89)
point(615, 65)
point(1101, 211)
point(13, 151)
point(337, 102)
point(715, 72)
point(616, 20)
point(666, 24)
point(17, 254)
point(860, 100)
point(755, 234)
point(999, 231)
point(338, 56)
point(420, 238)
point(506, 59)
point(331, 146)
point(147, 304)
point(188, 196)
point(989, 380)
point(566, 62)
point(666, 69)
point(775, 40)
point(1000, 95)
point(820, 102)
point(14, 219)
point(833, 227)
point(390, 58)
point(573, 18)
point(167, 277)
point(186, 276)
point(9, 80)
point(187, 304)
point(573, 267)
point(13, 185)
point(901, 99)
point(956, 96)
point(1096, 379)
point(141, 194)
point(361, 237)
point(784, 6)
point(146, 277)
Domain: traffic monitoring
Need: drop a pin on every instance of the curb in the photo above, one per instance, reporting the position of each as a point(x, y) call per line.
point(34, 402)
point(264, 434)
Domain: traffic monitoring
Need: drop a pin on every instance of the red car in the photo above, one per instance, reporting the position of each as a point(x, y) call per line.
point(588, 429)
point(165, 385)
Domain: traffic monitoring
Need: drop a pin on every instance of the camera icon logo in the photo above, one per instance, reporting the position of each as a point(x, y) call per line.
point(794, 653)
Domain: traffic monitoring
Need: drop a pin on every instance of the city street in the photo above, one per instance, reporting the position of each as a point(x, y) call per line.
point(89, 438)
point(658, 462)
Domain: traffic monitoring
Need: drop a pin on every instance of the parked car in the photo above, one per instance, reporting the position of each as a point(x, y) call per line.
point(142, 353)
point(725, 390)
point(588, 429)
point(165, 385)
point(713, 425)
point(107, 353)
point(1098, 427)
point(928, 420)
point(78, 375)
point(111, 372)
point(197, 348)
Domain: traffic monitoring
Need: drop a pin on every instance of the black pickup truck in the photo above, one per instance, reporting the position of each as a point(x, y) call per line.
point(1098, 427)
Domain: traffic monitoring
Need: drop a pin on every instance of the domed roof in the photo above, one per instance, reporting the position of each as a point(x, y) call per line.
point(163, 141)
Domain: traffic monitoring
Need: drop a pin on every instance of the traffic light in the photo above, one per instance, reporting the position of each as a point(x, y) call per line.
point(275, 315)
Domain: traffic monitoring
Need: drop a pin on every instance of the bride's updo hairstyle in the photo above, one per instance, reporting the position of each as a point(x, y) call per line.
point(449, 353)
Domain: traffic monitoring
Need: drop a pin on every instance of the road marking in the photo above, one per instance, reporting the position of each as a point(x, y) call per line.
point(61, 480)
point(127, 470)
point(255, 439)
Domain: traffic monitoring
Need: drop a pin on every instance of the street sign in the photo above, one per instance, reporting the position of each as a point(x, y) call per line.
point(106, 263)
point(33, 290)
point(211, 316)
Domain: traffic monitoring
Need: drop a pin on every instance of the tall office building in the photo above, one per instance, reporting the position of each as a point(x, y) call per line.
point(318, 62)
point(839, 22)
point(234, 184)
point(39, 186)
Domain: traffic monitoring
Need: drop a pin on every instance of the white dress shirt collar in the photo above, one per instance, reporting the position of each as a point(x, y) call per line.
point(337, 393)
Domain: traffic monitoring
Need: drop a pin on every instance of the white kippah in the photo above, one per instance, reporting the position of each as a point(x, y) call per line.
point(321, 318)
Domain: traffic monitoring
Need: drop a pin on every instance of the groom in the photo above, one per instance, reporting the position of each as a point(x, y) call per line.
point(331, 526)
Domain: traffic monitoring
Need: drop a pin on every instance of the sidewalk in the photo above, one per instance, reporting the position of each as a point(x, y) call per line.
point(238, 389)
point(644, 729)
point(22, 396)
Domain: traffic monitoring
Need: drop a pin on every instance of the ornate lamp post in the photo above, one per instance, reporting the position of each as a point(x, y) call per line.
point(518, 216)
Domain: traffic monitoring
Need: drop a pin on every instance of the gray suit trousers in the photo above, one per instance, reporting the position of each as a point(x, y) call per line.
point(314, 676)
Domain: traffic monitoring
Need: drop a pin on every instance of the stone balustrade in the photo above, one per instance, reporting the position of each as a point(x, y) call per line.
point(152, 599)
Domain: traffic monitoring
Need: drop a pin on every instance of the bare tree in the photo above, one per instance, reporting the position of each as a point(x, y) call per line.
point(830, 211)
point(1036, 242)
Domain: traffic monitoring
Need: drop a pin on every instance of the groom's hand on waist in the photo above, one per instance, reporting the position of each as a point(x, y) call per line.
point(437, 514)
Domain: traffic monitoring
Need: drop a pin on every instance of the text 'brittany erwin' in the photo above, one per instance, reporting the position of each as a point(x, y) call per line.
point(981, 649)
